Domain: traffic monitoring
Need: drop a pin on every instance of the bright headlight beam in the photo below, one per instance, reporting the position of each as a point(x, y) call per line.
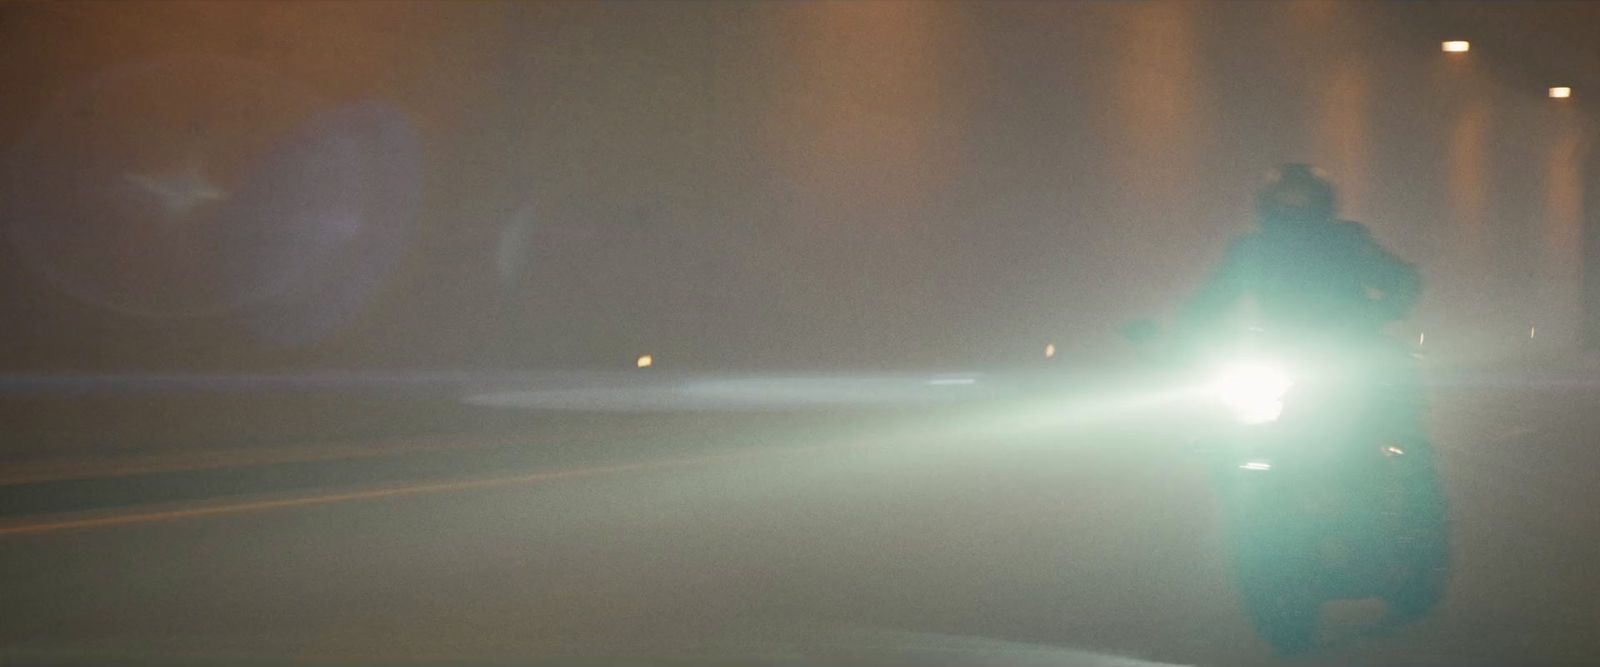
point(1253, 391)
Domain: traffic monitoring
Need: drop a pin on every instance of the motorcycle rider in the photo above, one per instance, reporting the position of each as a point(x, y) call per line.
point(1305, 270)
point(1310, 276)
point(1307, 275)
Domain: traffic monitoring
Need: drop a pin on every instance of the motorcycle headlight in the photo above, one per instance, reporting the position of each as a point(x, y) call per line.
point(1253, 391)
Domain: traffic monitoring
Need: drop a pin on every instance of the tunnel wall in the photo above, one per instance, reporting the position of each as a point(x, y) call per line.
point(855, 184)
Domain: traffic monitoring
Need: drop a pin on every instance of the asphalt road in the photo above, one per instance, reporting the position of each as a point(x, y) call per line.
point(947, 535)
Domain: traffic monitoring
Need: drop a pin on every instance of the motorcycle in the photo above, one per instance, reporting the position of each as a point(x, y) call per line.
point(1326, 480)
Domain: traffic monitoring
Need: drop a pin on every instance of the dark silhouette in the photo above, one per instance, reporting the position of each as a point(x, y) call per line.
point(1316, 289)
point(1304, 270)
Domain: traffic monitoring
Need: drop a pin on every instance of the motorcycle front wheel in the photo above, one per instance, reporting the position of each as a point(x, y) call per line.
point(1422, 535)
point(1285, 611)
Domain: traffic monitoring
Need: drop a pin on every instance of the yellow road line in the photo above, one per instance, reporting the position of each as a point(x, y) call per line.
point(188, 461)
point(82, 469)
point(371, 494)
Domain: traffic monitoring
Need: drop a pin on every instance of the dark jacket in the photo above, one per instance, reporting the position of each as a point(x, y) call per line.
point(1331, 277)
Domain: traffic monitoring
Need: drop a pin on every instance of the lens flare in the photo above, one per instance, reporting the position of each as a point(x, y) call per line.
point(1253, 391)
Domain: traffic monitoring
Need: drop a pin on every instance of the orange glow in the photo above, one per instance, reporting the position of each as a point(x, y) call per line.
point(1563, 231)
point(1343, 133)
point(863, 93)
point(1157, 114)
point(1469, 169)
point(1456, 46)
point(646, 361)
point(1560, 249)
point(1156, 108)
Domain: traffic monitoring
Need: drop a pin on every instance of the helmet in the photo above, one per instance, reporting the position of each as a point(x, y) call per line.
point(1296, 193)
